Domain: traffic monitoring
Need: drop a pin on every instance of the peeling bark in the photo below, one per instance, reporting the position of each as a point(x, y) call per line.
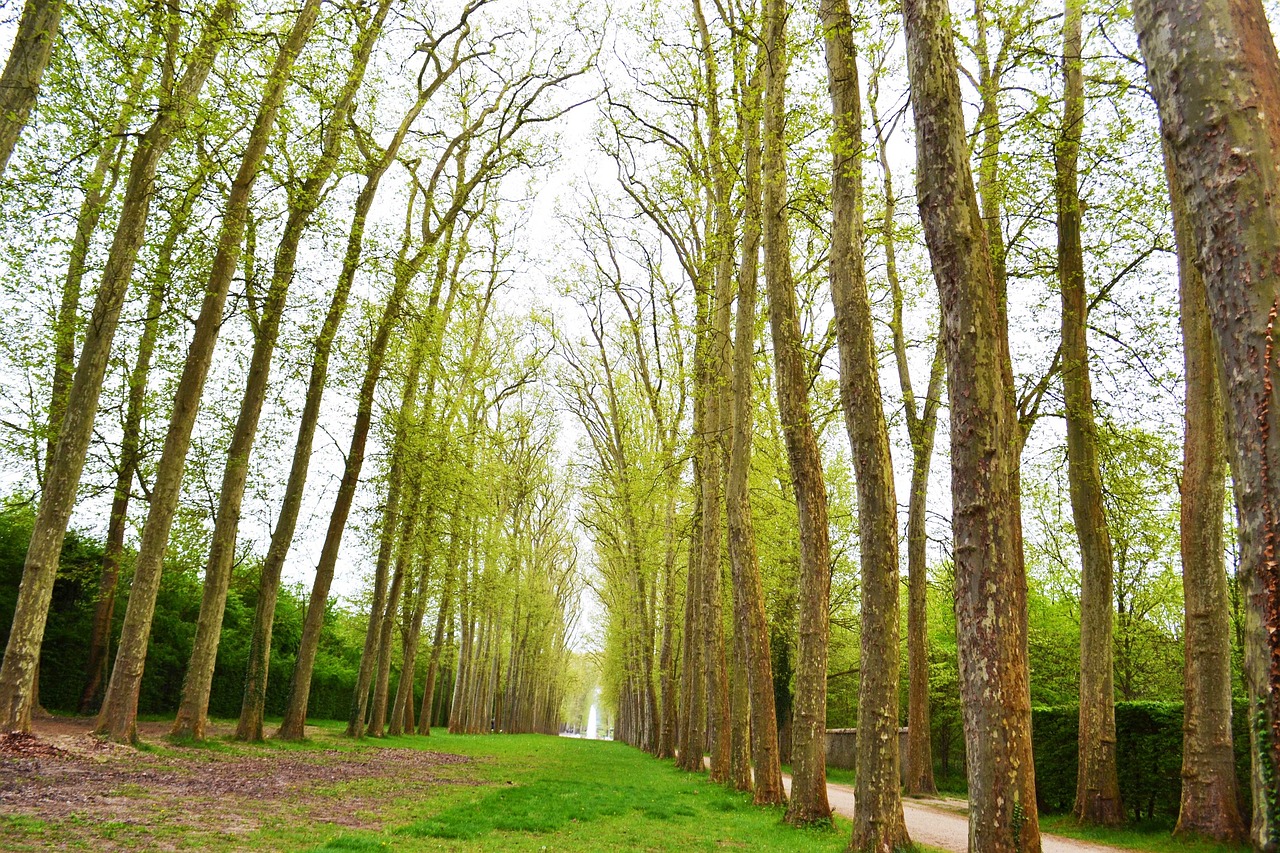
point(991, 584)
point(1215, 75)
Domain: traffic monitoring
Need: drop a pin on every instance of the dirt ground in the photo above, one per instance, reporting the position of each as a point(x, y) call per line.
point(944, 824)
point(65, 775)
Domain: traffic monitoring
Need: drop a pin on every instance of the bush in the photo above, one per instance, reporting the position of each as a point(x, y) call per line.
point(1148, 755)
point(64, 653)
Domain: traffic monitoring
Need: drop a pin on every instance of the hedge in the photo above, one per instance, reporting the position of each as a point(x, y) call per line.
point(1148, 756)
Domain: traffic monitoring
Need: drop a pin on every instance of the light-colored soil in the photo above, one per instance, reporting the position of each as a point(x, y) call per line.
point(64, 774)
point(942, 823)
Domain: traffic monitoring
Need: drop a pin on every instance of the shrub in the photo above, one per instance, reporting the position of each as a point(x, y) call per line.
point(1148, 756)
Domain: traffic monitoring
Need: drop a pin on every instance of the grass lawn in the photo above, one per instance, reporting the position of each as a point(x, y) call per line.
point(1153, 839)
point(516, 792)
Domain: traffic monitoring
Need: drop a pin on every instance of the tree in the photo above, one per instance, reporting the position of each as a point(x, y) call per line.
point(808, 746)
point(20, 82)
point(1209, 806)
point(1220, 122)
point(711, 386)
point(179, 96)
point(878, 823)
point(922, 423)
point(1097, 785)
point(131, 447)
point(985, 443)
point(751, 624)
point(117, 717)
point(495, 128)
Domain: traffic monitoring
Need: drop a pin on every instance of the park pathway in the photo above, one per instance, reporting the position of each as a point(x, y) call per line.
point(943, 828)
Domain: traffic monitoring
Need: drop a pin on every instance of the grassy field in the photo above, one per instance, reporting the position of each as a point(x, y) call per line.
point(1151, 839)
point(513, 792)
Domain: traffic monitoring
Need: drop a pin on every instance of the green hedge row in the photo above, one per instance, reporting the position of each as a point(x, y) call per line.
point(1148, 755)
point(64, 654)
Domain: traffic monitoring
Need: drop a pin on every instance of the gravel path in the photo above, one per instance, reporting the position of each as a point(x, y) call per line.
point(946, 829)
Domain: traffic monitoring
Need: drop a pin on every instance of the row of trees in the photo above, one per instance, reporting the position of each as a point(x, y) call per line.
point(721, 175)
point(717, 502)
point(247, 127)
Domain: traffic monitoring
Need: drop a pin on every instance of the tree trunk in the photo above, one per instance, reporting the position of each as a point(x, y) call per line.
point(131, 455)
point(693, 693)
point(667, 656)
point(922, 422)
point(878, 822)
point(1215, 75)
point(386, 550)
point(751, 624)
point(292, 727)
point(192, 709)
point(20, 83)
point(991, 605)
point(1209, 808)
point(443, 617)
point(252, 707)
point(1097, 783)
point(22, 653)
point(808, 740)
point(715, 389)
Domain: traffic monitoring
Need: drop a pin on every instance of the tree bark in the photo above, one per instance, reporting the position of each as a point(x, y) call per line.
point(751, 624)
point(1209, 807)
point(991, 606)
point(715, 389)
point(292, 727)
point(192, 709)
point(28, 58)
point(131, 454)
point(443, 617)
point(1215, 75)
point(808, 740)
point(667, 655)
point(922, 422)
point(878, 822)
point(1097, 783)
point(22, 653)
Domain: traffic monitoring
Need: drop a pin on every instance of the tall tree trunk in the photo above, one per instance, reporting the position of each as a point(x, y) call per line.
point(131, 453)
point(292, 727)
point(119, 710)
point(250, 726)
point(1097, 783)
point(20, 82)
point(386, 548)
point(878, 822)
point(1215, 75)
point(693, 692)
point(444, 617)
point(922, 422)
point(808, 740)
point(667, 656)
point(1209, 806)
point(751, 624)
point(22, 653)
point(192, 711)
point(386, 627)
point(716, 391)
point(991, 604)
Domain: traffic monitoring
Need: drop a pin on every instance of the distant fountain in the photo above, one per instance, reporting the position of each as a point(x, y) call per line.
point(591, 723)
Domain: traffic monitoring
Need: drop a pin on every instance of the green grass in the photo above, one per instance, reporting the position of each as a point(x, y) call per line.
point(521, 792)
point(1149, 838)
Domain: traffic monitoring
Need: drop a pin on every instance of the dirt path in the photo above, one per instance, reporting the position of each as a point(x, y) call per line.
point(946, 829)
point(71, 779)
